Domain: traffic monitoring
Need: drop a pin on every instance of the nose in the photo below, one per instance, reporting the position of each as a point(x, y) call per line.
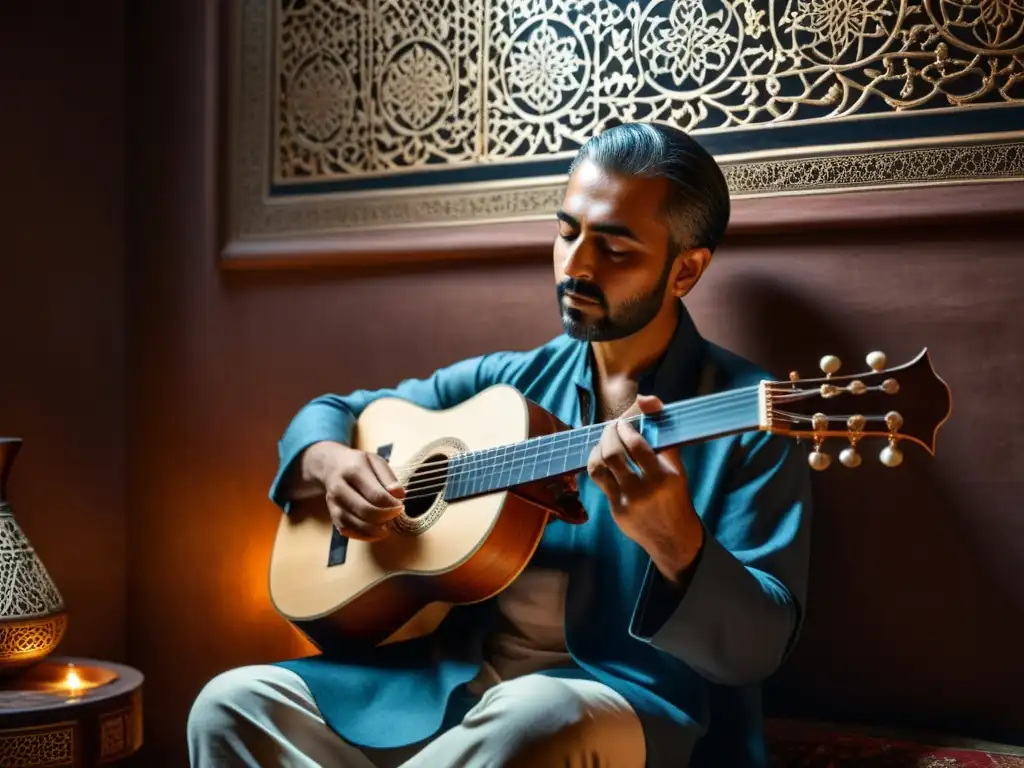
point(579, 263)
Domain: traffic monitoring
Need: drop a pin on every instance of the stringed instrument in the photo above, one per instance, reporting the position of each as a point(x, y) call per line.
point(483, 479)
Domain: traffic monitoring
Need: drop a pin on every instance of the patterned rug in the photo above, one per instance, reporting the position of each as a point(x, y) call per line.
point(802, 745)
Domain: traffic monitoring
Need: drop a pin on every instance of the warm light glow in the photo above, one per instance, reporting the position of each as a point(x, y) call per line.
point(72, 681)
point(65, 679)
point(301, 645)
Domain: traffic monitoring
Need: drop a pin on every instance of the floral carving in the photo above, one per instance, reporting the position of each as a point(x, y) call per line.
point(543, 67)
point(836, 25)
point(997, 24)
point(417, 87)
point(692, 43)
point(322, 96)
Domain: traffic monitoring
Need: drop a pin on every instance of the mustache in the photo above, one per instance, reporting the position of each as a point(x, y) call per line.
point(586, 290)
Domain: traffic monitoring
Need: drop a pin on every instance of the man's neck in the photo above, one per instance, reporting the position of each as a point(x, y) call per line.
point(628, 358)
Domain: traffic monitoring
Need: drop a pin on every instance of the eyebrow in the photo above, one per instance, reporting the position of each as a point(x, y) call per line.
point(612, 228)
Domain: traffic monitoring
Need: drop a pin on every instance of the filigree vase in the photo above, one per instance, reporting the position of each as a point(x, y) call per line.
point(32, 615)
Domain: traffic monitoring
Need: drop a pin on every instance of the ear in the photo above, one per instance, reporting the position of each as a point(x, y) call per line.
point(691, 265)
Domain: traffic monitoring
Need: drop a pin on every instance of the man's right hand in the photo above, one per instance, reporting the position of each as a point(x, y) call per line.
point(362, 492)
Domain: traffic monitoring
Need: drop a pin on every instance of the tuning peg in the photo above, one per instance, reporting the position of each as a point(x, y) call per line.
point(876, 360)
point(850, 458)
point(891, 456)
point(819, 460)
point(830, 364)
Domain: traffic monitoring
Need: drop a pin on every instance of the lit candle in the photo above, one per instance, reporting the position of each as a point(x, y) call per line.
point(72, 682)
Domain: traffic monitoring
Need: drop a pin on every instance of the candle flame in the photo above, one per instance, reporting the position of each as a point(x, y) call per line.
point(72, 681)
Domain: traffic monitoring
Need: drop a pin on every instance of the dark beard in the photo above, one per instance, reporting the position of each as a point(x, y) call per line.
point(628, 318)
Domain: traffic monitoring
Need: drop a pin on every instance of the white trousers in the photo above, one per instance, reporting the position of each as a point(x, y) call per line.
point(265, 716)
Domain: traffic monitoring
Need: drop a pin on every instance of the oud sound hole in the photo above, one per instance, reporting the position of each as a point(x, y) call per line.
point(425, 485)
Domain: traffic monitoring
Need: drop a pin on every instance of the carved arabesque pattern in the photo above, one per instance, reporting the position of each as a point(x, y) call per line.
point(531, 99)
point(38, 748)
point(21, 641)
point(114, 732)
point(377, 88)
point(902, 167)
point(26, 589)
point(363, 93)
point(323, 120)
point(875, 169)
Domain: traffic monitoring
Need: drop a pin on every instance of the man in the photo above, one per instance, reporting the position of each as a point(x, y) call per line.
point(637, 638)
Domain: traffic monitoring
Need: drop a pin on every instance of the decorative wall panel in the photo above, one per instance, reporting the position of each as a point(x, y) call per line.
point(363, 114)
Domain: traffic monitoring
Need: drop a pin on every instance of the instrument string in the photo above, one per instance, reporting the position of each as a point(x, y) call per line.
point(433, 481)
point(475, 460)
point(669, 414)
point(428, 484)
point(557, 445)
point(673, 409)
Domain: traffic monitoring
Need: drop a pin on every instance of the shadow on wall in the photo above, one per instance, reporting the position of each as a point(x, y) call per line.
point(893, 551)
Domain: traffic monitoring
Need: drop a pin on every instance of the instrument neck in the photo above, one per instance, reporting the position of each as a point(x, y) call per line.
point(548, 456)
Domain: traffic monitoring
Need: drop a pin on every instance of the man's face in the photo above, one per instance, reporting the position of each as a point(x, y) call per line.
point(611, 257)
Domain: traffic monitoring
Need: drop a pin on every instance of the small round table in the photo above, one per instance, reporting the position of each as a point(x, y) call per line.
point(70, 712)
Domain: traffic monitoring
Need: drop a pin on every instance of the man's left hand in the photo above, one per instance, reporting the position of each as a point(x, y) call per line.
point(652, 507)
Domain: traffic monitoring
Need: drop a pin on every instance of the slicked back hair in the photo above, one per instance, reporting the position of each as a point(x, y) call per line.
point(696, 207)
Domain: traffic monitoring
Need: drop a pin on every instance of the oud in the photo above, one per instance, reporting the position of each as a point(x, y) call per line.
point(483, 479)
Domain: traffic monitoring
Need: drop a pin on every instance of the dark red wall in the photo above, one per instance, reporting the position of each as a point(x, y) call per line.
point(62, 313)
point(916, 597)
point(915, 610)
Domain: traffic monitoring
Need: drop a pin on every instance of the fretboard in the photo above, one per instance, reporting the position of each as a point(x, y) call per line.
point(506, 466)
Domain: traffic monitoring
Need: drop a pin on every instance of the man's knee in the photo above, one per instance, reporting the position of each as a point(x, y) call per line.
point(535, 704)
point(543, 718)
point(241, 694)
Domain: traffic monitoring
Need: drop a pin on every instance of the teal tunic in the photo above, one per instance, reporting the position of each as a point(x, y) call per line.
point(690, 663)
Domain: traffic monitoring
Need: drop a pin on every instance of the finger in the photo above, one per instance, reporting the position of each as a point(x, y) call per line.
point(601, 475)
point(348, 499)
point(644, 404)
point(616, 458)
point(386, 476)
point(351, 526)
point(639, 450)
point(364, 479)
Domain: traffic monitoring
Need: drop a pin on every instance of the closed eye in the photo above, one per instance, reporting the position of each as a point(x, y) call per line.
point(617, 252)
